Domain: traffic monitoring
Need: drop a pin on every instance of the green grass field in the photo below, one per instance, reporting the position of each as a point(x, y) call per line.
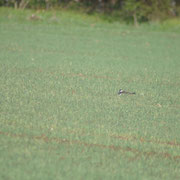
point(60, 115)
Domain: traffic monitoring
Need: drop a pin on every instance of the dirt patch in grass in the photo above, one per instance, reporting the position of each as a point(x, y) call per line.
point(89, 76)
point(142, 140)
point(137, 152)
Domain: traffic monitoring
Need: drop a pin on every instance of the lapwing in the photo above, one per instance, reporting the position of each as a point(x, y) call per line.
point(124, 92)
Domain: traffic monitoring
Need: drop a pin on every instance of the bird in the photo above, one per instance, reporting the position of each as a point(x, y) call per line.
point(120, 92)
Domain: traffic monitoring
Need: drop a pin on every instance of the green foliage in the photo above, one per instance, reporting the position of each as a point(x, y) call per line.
point(132, 5)
point(159, 10)
point(151, 10)
point(133, 8)
point(130, 10)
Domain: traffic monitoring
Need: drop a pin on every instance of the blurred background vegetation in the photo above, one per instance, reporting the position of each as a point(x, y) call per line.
point(130, 11)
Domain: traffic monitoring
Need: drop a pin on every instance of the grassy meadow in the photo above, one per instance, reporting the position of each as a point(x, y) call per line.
point(60, 115)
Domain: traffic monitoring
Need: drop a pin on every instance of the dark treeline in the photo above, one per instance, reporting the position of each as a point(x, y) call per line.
point(129, 10)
